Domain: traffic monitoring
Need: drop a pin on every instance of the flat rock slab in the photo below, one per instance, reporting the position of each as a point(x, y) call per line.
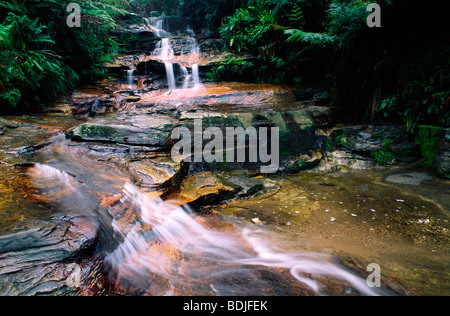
point(127, 128)
point(31, 252)
point(409, 178)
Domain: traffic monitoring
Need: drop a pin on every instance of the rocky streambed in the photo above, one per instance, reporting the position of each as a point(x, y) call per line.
point(68, 212)
point(93, 203)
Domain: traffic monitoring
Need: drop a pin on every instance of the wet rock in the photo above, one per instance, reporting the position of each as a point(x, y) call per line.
point(129, 128)
point(87, 101)
point(135, 39)
point(442, 158)
point(207, 188)
point(6, 125)
point(159, 171)
point(303, 162)
point(340, 160)
point(212, 188)
point(366, 147)
point(32, 262)
point(364, 139)
point(132, 98)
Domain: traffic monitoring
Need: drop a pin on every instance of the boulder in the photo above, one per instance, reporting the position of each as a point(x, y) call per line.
point(212, 188)
point(5, 125)
point(158, 171)
point(135, 39)
point(365, 147)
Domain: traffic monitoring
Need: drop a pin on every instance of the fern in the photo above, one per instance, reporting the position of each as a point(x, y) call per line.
point(316, 39)
point(296, 17)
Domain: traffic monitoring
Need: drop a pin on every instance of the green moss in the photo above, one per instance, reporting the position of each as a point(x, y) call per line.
point(87, 130)
point(427, 138)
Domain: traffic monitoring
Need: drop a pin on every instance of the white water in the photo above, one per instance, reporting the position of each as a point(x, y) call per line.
point(191, 47)
point(56, 175)
point(157, 26)
point(130, 77)
point(165, 52)
point(211, 257)
point(195, 74)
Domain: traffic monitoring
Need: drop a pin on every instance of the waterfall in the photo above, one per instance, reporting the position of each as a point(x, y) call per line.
point(187, 78)
point(157, 26)
point(170, 76)
point(190, 53)
point(195, 74)
point(193, 49)
point(166, 55)
point(130, 77)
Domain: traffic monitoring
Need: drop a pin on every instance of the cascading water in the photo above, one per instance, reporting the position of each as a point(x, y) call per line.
point(130, 77)
point(164, 51)
point(158, 27)
point(184, 255)
point(167, 52)
point(190, 51)
point(196, 75)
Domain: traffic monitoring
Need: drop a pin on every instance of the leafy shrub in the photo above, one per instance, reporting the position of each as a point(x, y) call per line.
point(30, 74)
point(235, 70)
point(42, 59)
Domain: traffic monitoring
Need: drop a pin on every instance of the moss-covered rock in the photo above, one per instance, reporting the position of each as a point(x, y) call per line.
point(138, 129)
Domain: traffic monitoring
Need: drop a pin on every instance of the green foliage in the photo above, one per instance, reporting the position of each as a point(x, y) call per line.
point(30, 73)
point(42, 59)
point(248, 30)
point(427, 138)
point(313, 39)
point(385, 155)
point(234, 70)
point(397, 72)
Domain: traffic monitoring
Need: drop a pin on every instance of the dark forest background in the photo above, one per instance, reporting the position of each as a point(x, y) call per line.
point(396, 73)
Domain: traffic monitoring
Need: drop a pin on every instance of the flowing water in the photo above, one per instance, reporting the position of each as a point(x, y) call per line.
point(189, 56)
point(172, 245)
point(187, 256)
point(130, 77)
point(314, 236)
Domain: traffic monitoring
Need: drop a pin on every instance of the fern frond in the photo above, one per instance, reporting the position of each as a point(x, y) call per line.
point(316, 39)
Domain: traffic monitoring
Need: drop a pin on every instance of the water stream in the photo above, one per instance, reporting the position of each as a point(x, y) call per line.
point(153, 246)
point(187, 254)
point(171, 244)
